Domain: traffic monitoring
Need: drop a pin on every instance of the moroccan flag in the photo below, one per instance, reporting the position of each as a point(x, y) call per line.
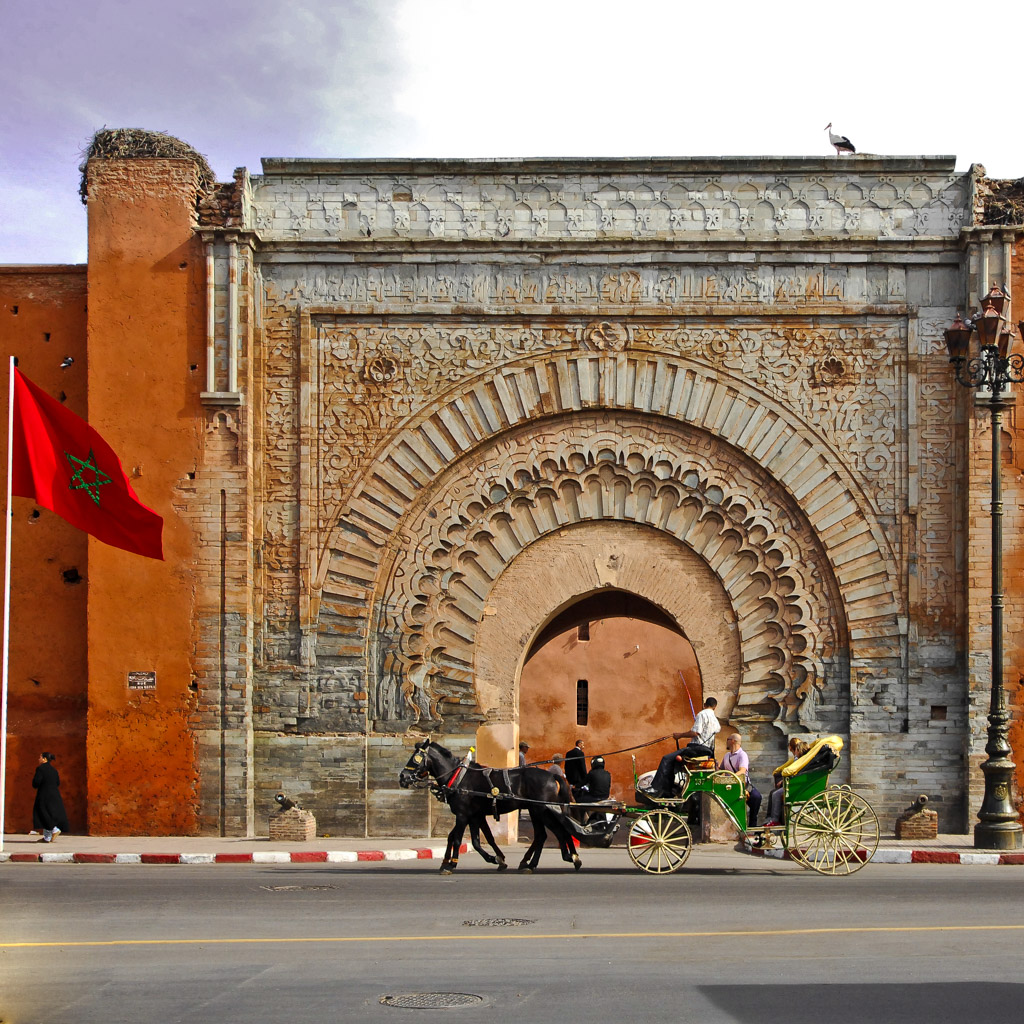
point(61, 463)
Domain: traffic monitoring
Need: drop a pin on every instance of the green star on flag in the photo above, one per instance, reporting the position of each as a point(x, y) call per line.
point(78, 480)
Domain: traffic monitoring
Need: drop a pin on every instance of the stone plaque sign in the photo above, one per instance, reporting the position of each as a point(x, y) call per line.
point(141, 680)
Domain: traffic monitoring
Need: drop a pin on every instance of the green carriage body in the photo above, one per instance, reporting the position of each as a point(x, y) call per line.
point(829, 829)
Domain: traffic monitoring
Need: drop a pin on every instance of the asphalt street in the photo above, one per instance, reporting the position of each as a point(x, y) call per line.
point(725, 939)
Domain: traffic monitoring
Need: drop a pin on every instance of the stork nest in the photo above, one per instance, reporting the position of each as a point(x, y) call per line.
point(1004, 200)
point(121, 143)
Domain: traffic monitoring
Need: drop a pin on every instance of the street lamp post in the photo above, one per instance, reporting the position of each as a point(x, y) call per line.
point(998, 827)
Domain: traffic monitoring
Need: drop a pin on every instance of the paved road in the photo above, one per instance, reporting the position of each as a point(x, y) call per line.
point(726, 939)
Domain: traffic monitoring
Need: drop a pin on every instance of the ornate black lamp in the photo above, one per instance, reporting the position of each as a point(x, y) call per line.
point(998, 827)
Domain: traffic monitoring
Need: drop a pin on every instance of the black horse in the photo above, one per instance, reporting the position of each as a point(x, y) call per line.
point(473, 791)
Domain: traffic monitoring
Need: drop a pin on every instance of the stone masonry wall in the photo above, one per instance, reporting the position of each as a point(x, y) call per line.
point(435, 358)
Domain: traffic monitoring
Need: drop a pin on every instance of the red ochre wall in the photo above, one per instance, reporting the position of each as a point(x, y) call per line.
point(42, 320)
point(145, 334)
point(635, 695)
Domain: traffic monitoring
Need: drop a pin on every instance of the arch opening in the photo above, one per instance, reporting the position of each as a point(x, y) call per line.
point(605, 604)
point(625, 681)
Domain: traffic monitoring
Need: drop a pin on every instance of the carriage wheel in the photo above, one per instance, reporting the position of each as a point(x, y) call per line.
point(659, 842)
point(834, 833)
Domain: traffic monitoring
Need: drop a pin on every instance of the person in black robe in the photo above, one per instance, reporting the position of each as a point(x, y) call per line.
point(48, 812)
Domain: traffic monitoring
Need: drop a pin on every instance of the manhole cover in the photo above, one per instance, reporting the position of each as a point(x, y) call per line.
point(431, 1000)
point(295, 888)
point(497, 922)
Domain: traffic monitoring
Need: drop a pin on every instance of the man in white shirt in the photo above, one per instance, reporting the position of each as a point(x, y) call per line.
point(705, 727)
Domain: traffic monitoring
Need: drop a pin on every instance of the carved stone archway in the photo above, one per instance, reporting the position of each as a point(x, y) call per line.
point(433, 592)
point(799, 534)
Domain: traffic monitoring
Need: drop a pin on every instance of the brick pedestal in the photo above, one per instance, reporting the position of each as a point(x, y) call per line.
point(292, 826)
point(917, 822)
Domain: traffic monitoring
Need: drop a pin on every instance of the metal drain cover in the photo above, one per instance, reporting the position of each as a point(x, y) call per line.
point(293, 888)
point(497, 922)
point(431, 1000)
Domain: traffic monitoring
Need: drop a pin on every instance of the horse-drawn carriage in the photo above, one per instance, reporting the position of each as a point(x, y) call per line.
point(829, 829)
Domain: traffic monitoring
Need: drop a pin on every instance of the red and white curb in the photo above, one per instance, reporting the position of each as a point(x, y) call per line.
point(260, 857)
point(888, 856)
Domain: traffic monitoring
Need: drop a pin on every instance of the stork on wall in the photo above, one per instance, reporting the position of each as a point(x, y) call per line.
point(841, 142)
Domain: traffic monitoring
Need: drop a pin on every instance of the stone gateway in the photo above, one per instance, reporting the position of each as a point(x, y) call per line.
point(438, 403)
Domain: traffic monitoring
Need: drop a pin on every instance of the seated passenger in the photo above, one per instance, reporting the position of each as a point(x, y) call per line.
point(775, 815)
point(597, 785)
point(738, 762)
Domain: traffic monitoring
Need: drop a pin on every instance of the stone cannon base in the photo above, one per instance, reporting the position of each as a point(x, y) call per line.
point(293, 825)
point(917, 823)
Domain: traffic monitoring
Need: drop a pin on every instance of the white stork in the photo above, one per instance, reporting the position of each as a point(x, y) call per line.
point(841, 142)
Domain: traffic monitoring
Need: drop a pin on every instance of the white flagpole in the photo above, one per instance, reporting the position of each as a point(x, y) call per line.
point(7, 601)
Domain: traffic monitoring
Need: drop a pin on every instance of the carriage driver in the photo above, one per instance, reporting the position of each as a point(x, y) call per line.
point(705, 727)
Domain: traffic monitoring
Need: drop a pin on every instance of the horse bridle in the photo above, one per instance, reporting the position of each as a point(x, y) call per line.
point(421, 772)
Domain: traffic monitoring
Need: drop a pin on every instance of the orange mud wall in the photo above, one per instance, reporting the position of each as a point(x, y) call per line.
point(42, 316)
point(146, 349)
point(634, 695)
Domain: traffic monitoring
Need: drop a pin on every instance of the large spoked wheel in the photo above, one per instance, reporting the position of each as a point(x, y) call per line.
point(659, 842)
point(834, 833)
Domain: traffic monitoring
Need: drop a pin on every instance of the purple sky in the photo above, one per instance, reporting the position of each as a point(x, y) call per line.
point(243, 80)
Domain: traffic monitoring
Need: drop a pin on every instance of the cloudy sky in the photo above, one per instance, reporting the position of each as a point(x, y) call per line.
point(244, 79)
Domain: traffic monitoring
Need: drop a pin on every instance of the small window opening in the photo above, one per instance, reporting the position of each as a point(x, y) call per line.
point(14, 310)
point(582, 701)
point(72, 576)
point(46, 335)
point(938, 712)
point(583, 632)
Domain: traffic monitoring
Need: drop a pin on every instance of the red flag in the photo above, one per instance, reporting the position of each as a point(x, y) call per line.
point(64, 465)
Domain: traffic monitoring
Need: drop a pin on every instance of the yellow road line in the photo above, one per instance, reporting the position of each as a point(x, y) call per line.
point(531, 936)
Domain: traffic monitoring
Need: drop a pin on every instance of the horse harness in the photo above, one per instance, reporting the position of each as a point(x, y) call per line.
point(442, 790)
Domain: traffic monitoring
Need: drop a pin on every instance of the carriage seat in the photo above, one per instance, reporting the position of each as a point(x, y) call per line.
point(822, 754)
point(696, 756)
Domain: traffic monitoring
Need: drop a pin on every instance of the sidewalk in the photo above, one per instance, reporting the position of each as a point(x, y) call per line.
point(69, 849)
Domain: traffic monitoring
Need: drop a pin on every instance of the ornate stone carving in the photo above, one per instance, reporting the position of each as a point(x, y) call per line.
point(844, 380)
point(630, 204)
point(431, 597)
point(660, 288)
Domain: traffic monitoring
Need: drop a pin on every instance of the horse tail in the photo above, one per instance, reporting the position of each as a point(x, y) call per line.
point(564, 793)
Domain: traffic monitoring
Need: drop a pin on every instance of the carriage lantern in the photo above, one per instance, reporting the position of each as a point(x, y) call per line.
point(992, 370)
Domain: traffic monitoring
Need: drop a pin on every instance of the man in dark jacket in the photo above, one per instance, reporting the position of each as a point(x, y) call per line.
point(576, 766)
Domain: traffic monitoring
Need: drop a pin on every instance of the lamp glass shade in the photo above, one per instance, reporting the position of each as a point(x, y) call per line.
point(958, 337)
point(988, 325)
point(996, 298)
point(1005, 343)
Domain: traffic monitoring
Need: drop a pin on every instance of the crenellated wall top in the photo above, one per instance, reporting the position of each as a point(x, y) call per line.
point(560, 200)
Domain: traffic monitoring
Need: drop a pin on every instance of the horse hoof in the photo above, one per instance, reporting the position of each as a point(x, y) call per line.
point(447, 870)
point(523, 867)
point(577, 863)
point(503, 866)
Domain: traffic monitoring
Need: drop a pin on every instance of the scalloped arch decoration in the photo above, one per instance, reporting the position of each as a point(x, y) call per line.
point(714, 445)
